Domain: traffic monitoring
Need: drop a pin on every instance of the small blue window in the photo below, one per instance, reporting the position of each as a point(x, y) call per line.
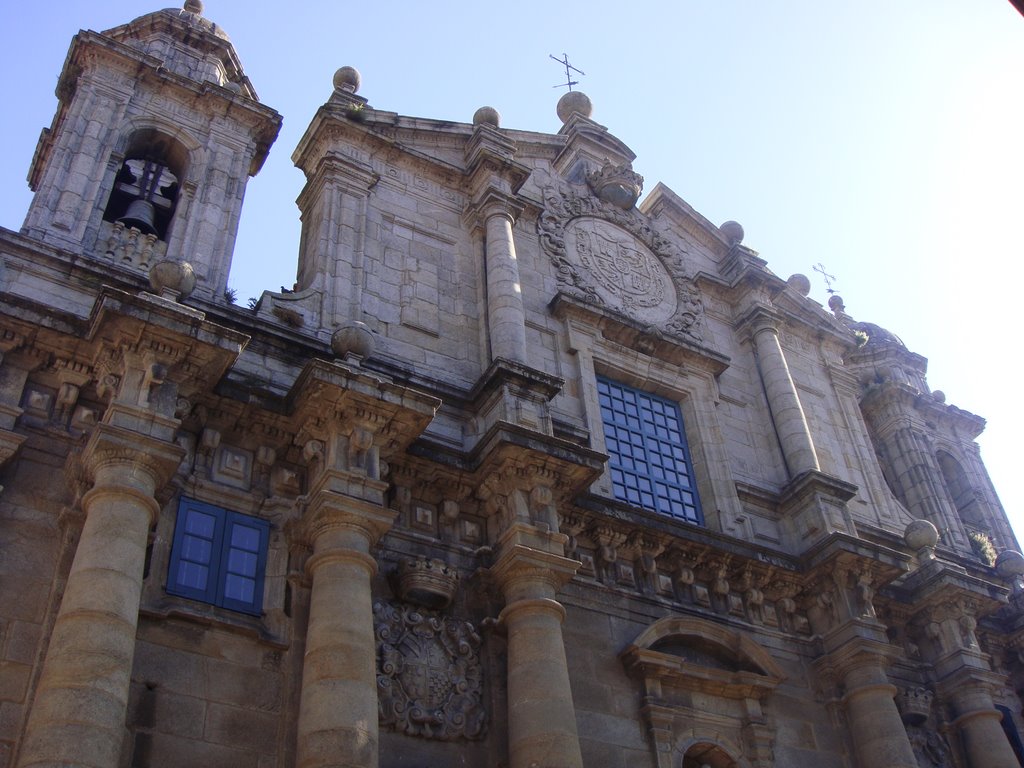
point(647, 452)
point(218, 557)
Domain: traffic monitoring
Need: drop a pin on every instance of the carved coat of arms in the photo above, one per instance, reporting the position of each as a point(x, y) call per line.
point(618, 264)
point(428, 674)
point(616, 257)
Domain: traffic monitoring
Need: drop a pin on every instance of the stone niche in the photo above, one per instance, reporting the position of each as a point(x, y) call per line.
point(704, 687)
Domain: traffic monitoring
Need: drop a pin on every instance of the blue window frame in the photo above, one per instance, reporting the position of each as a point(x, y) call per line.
point(648, 455)
point(218, 557)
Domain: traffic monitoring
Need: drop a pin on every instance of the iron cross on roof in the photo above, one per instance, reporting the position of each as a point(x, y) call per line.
point(819, 267)
point(569, 68)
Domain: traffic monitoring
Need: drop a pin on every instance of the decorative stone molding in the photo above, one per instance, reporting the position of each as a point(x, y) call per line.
point(929, 746)
point(429, 676)
point(915, 705)
point(427, 581)
point(619, 185)
point(679, 659)
point(612, 257)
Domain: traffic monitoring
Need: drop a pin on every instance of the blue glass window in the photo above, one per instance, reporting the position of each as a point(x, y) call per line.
point(648, 456)
point(218, 557)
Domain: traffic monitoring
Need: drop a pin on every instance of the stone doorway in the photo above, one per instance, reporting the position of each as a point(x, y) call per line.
point(708, 756)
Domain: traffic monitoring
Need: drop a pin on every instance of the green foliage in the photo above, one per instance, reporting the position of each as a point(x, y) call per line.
point(862, 338)
point(983, 547)
point(230, 295)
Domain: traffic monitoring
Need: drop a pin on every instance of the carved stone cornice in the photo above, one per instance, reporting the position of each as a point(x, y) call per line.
point(148, 351)
point(669, 343)
point(329, 399)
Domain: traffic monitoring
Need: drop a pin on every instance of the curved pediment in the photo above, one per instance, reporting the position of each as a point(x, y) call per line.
point(695, 654)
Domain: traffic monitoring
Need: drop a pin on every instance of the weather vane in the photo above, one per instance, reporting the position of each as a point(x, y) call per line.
point(819, 267)
point(569, 69)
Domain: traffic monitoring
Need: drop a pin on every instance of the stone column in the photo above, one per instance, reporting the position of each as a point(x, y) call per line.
point(343, 417)
point(979, 724)
point(337, 726)
point(876, 728)
point(78, 715)
point(783, 400)
point(541, 715)
point(506, 319)
point(338, 707)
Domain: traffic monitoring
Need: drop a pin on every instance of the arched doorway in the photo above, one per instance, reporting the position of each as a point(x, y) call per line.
point(706, 755)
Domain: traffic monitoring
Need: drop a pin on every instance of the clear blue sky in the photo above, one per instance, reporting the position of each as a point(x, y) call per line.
point(883, 139)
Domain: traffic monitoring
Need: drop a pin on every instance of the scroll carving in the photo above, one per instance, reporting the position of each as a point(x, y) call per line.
point(633, 268)
point(429, 677)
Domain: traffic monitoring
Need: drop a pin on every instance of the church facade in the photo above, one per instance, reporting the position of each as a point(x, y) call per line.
point(522, 473)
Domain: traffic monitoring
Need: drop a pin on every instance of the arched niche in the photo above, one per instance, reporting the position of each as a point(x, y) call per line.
point(148, 182)
point(960, 490)
point(703, 683)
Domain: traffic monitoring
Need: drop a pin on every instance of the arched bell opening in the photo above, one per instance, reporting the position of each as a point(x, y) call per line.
point(145, 191)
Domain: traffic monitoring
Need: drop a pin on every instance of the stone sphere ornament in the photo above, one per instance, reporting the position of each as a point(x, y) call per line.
point(487, 116)
point(172, 279)
point(348, 79)
point(574, 102)
point(1010, 564)
point(733, 232)
point(922, 537)
point(353, 338)
point(194, 6)
point(799, 283)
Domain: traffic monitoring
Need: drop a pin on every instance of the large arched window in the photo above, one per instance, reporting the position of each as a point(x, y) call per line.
point(145, 192)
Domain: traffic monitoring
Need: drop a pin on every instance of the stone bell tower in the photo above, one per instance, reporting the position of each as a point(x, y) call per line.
point(156, 133)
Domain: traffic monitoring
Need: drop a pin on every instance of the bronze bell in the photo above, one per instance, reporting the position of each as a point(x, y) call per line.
point(142, 215)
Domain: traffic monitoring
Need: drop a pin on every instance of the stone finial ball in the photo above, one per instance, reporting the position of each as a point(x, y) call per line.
point(353, 338)
point(194, 6)
point(920, 534)
point(487, 116)
point(799, 283)
point(574, 101)
point(348, 79)
point(939, 396)
point(733, 232)
point(1010, 563)
point(176, 277)
point(835, 303)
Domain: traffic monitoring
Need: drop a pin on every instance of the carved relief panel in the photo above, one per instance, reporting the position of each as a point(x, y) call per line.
point(615, 258)
point(429, 676)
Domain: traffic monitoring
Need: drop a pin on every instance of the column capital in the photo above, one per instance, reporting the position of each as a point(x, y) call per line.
point(490, 202)
point(132, 461)
point(336, 521)
point(523, 572)
point(758, 318)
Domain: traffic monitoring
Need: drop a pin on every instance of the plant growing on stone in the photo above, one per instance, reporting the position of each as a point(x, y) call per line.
point(983, 547)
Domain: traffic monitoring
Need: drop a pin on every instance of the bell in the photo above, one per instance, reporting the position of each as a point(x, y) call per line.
point(141, 215)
